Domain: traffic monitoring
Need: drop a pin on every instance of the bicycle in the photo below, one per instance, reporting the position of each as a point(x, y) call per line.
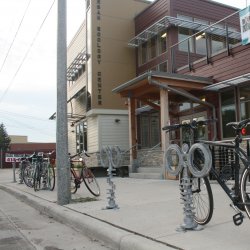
point(81, 173)
point(44, 172)
point(240, 191)
point(201, 189)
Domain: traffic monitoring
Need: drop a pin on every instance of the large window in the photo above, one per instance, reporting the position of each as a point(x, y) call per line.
point(81, 137)
point(153, 47)
point(244, 102)
point(183, 34)
point(228, 112)
point(149, 130)
point(163, 42)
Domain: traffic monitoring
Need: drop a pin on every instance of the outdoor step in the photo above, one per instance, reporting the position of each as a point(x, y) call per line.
point(146, 175)
point(149, 170)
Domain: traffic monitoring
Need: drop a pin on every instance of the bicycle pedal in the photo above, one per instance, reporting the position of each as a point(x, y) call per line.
point(238, 219)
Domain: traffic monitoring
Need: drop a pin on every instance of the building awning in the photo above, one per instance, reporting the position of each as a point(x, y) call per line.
point(143, 86)
point(72, 117)
point(167, 21)
point(76, 65)
point(229, 83)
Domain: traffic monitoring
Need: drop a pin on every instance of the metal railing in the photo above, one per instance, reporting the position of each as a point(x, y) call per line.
point(205, 43)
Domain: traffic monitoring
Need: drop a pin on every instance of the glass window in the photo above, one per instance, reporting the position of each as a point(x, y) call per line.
point(183, 34)
point(81, 137)
point(153, 47)
point(218, 43)
point(163, 67)
point(244, 102)
point(200, 44)
point(150, 130)
point(143, 53)
point(227, 112)
point(184, 106)
point(163, 42)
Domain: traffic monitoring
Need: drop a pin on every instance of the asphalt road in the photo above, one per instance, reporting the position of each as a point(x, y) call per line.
point(23, 228)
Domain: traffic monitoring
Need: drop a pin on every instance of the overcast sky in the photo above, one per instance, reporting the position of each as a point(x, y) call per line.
point(28, 63)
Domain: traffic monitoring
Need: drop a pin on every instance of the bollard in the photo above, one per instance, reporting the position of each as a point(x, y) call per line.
point(14, 170)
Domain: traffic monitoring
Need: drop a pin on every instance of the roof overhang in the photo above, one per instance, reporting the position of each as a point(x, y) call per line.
point(168, 21)
point(229, 83)
point(144, 86)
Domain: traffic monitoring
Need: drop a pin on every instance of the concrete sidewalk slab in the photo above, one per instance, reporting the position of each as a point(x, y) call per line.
point(149, 213)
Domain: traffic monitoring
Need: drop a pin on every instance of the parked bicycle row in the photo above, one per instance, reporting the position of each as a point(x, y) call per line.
point(38, 171)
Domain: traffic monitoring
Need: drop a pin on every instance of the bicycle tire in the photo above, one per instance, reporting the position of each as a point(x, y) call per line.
point(202, 200)
point(173, 159)
point(51, 178)
point(73, 184)
point(90, 181)
point(28, 175)
point(37, 178)
point(245, 189)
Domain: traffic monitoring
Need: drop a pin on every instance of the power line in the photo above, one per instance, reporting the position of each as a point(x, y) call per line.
point(19, 26)
point(23, 115)
point(26, 54)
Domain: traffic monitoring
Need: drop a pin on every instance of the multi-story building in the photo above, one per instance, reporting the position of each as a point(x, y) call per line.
point(190, 65)
point(98, 59)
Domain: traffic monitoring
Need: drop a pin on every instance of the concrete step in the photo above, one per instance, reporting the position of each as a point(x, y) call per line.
point(149, 170)
point(146, 175)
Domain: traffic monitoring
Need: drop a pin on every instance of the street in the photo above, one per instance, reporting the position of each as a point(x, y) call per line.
point(24, 228)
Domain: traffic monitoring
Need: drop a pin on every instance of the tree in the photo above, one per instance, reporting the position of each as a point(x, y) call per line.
point(4, 138)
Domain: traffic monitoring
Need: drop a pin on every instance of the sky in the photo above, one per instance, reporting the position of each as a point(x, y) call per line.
point(28, 34)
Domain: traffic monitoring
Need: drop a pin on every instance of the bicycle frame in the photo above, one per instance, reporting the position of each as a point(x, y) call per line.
point(239, 154)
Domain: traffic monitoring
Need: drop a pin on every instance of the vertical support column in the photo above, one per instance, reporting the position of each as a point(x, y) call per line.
point(164, 121)
point(132, 132)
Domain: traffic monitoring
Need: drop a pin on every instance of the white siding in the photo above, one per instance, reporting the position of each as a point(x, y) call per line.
point(92, 123)
point(114, 133)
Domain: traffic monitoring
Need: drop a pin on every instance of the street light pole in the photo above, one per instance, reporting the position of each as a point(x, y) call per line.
point(62, 163)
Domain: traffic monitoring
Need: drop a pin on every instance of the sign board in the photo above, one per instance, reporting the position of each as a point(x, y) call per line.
point(245, 25)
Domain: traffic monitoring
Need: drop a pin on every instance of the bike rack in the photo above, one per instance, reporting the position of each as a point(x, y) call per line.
point(111, 191)
point(185, 165)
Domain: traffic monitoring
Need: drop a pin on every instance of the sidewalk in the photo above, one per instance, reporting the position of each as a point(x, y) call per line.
point(148, 215)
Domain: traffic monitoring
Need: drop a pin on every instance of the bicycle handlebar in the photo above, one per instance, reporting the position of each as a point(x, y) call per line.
point(193, 125)
point(239, 125)
point(79, 154)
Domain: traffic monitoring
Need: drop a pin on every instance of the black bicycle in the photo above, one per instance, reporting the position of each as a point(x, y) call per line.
point(238, 190)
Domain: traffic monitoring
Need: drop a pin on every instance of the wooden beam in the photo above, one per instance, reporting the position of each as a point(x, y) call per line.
point(151, 104)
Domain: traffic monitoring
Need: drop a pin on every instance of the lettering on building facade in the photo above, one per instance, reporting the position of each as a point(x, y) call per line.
point(99, 51)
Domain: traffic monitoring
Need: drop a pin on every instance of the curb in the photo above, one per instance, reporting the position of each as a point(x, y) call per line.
point(115, 237)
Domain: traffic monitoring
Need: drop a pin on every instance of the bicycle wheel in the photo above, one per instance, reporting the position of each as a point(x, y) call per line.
point(51, 178)
point(245, 190)
point(202, 200)
point(28, 174)
point(37, 178)
point(73, 184)
point(90, 181)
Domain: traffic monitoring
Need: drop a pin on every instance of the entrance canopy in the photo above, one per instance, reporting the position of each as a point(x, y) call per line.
point(147, 86)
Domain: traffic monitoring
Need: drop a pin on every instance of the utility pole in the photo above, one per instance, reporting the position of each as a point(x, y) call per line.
point(62, 162)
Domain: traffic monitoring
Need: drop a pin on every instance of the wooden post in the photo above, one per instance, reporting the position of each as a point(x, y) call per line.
point(132, 132)
point(165, 119)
